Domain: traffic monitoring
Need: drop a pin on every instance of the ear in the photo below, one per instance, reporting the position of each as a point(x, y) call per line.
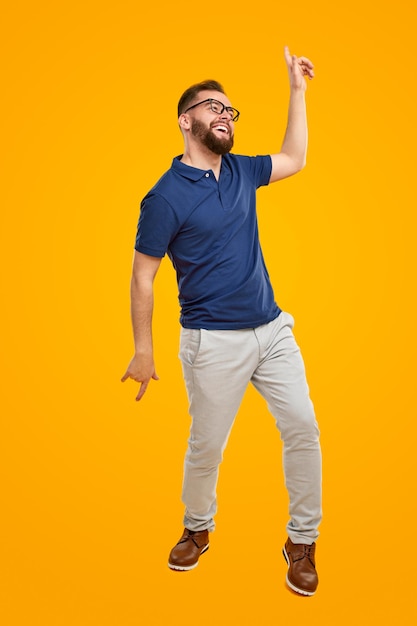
point(184, 121)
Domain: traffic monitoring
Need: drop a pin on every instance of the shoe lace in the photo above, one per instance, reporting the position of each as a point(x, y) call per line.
point(190, 535)
point(307, 553)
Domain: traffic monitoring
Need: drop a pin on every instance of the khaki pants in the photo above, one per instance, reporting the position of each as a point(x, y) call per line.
point(218, 365)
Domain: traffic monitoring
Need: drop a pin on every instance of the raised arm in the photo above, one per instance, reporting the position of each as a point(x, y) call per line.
point(292, 157)
point(141, 368)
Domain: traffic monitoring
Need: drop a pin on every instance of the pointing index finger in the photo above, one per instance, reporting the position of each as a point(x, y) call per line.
point(142, 390)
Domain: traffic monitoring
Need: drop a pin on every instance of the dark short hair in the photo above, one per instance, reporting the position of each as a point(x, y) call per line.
point(193, 91)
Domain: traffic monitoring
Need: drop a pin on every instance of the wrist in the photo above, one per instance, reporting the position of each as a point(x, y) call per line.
point(143, 351)
point(298, 89)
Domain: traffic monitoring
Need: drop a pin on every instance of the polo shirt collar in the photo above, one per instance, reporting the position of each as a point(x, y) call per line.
point(187, 171)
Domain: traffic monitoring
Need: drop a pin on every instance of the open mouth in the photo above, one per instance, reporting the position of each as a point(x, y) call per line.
point(221, 128)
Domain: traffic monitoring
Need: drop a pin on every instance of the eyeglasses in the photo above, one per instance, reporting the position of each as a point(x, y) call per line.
point(218, 107)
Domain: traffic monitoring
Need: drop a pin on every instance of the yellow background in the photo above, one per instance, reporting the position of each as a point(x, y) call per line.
point(91, 480)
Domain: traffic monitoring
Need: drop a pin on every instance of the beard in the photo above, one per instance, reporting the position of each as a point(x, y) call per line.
point(210, 140)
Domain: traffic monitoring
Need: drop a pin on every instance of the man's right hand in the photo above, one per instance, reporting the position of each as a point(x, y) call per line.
point(141, 369)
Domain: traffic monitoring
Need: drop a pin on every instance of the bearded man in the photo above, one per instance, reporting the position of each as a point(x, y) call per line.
point(202, 213)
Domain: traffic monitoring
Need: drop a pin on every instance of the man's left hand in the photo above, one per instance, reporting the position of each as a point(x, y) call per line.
point(298, 68)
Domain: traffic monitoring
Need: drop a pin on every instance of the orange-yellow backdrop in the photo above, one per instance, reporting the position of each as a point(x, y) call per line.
point(91, 480)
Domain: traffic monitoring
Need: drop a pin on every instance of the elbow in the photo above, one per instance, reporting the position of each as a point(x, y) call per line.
point(302, 160)
point(299, 164)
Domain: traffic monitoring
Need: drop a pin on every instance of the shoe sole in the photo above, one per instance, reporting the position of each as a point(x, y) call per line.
point(301, 592)
point(187, 568)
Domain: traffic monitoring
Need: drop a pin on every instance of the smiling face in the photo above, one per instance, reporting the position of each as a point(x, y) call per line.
point(214, 130)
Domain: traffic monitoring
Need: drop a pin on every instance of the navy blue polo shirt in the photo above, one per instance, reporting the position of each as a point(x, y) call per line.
point(209, 230)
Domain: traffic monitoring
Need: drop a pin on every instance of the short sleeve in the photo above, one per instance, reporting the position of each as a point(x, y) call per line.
point(156, 227)
point(257, 168)
point(262, 166)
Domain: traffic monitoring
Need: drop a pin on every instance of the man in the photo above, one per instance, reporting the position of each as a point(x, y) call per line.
point(202, 213)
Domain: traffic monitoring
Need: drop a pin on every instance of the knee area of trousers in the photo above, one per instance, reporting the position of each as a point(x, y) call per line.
point(204, 454)
point(302, 427)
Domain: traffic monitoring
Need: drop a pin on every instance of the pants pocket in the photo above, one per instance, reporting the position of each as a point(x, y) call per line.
point(190, 343)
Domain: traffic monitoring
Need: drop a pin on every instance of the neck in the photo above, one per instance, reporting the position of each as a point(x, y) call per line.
point(203, 159)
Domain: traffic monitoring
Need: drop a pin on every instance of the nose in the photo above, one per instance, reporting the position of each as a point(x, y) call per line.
point(225, 115)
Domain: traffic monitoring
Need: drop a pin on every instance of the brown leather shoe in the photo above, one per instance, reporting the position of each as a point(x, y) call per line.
point(185, 554)
point(301, 576)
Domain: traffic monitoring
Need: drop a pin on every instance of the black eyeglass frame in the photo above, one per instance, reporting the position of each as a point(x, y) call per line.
point(231, 110)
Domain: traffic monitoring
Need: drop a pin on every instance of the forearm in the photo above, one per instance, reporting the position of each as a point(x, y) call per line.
point(292, 157)
point(141, 313)
point(294, 145)
point(141, 368)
